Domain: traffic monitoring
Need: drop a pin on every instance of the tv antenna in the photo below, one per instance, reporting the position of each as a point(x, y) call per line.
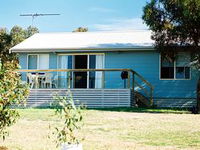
point(37, 15)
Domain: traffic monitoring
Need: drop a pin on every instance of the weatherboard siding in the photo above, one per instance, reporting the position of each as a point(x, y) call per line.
point(23, 60)
point(23, 64)
point(52, 60)
point(146, 64)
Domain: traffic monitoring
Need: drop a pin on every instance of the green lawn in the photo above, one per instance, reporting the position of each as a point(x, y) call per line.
point(112, 129)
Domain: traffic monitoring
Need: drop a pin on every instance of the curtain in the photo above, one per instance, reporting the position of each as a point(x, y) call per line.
point(44, 61)
point(98, 74)
point(62, 76)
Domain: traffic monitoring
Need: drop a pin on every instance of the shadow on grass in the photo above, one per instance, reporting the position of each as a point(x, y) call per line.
point(133, 109)
point(145, 110)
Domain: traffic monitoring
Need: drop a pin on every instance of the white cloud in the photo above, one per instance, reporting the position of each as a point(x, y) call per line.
point(121, 25)
point(101, 10)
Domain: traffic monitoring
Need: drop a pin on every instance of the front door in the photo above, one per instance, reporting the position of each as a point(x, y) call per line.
point(80, 78)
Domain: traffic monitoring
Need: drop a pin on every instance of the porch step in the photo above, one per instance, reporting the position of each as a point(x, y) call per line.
point(141, 100)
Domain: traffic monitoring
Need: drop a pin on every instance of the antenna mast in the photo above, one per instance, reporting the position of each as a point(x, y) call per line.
point(36, 15)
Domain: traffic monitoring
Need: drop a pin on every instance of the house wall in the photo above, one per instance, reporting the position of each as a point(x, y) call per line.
point(23, 64)
point(146, 64)
point(52, 61)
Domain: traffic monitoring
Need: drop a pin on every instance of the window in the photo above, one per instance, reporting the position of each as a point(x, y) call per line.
point(40, 61)
point(178, 69)
point(32, 61)
point(167, 68)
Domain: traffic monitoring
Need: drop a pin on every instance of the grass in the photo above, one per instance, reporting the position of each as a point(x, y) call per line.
point(112, 129)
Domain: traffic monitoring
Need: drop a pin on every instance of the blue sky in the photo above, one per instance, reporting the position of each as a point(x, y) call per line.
point(97, 15)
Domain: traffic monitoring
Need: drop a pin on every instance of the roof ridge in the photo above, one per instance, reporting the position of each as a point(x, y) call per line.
point(93, 32)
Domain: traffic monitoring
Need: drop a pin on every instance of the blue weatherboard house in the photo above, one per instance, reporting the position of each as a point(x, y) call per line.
point(105, 69)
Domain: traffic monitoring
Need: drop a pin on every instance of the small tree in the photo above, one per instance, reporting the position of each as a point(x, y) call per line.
point(72, 118)
point(12, 93)
point(81, 29)
point(30, 31)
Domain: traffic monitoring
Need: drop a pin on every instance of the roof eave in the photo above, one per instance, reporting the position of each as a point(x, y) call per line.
point(145, 48)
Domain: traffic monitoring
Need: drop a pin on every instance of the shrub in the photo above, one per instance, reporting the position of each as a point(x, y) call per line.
point(12, 93)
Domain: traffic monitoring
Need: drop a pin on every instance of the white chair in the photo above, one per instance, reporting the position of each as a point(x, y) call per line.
point(31, 80)
point(55, 81)
point(47, 80)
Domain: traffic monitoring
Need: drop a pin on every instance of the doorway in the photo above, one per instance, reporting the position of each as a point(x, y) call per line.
point(80, 78)
point(85, 79)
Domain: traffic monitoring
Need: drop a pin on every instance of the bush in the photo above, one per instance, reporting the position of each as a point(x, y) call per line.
point(12, 93)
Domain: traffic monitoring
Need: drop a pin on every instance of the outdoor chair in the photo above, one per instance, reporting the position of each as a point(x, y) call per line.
point(47, 82)
point(55, 81)
point(31, 80)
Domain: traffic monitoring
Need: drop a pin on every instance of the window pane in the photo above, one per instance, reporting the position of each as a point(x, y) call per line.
point(32, 62)
point(180, 72)
point(182, 64)
point(183, 59)
point(167, 72)
point(166, 63)
point(63, 63)
point(69, 62)
point(187, 72)
point(167, 68)
point(44, 61)
point(99, 74)
point(92, 65)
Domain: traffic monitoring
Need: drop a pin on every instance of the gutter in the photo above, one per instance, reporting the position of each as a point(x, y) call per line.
point(150, 48)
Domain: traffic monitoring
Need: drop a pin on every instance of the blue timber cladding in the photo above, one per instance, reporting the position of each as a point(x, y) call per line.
point(23, 64)
point(147, 64)
point(143, 62)
point(23, 60)
point(52, 61)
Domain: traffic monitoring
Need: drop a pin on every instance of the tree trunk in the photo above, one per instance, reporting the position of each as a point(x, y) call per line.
point(198, 96)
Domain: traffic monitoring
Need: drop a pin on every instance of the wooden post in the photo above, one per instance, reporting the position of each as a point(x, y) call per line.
point(198, 96)
point(36, 80)
point(151, 97)
point(103, 79)
point(133, 90)
point(129, 80)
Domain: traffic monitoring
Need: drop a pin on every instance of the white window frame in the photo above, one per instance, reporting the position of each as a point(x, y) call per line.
point(33, 55)
point(88, 60)
point(38, 60)
point(160, 63)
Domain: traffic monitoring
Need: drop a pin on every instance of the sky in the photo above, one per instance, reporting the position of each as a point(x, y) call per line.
point(97, 15)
